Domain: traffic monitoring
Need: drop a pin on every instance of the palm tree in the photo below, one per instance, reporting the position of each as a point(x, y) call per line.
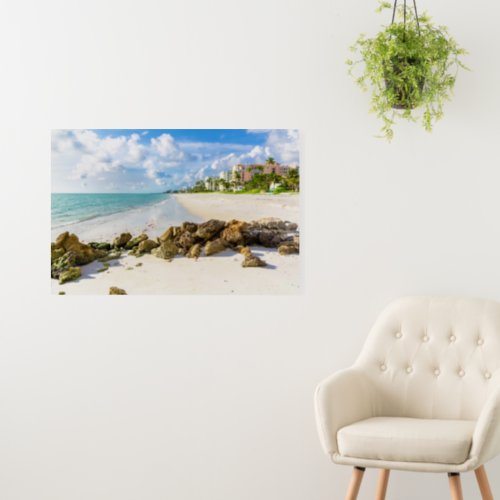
point(216, 184)
point(274, 178)
point(198, 187)
point(293, 178)
point(271, 161)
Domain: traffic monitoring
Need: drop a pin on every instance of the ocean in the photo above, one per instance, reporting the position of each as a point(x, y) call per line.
point(72, 208)
point(101, 217)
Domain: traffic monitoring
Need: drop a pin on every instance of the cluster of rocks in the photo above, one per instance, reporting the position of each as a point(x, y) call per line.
point(191, 240)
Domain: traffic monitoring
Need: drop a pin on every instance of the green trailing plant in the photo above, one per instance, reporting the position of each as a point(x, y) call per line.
point(410, 67)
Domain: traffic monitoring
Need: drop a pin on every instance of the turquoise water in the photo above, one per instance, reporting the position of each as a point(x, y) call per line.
point(70, 208)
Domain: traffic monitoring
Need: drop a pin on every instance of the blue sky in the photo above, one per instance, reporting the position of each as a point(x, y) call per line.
point(154, 160)
point(237, 136)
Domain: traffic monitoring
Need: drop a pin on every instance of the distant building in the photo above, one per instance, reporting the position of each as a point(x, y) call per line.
point(226, 176)
point(245, 173)
point(237, 174)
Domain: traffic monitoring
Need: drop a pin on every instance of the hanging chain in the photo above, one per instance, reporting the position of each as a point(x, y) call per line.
point(416, 15)
point(404, 14)
point(394, 11)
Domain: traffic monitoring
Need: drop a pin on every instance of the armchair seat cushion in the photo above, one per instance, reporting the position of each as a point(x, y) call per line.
point(398, 439)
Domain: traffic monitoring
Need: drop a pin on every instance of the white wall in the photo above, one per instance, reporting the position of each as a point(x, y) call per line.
point(211, 398)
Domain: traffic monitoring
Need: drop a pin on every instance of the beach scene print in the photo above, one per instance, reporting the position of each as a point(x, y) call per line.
point(175, 211)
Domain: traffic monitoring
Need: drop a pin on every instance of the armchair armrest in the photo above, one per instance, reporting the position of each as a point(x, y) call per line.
point(486, 437)
point(342, 399)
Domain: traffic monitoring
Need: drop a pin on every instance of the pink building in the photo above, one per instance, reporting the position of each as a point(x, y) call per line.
point(248, 171)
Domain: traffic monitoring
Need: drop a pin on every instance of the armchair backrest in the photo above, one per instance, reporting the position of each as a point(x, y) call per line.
point(433, 357)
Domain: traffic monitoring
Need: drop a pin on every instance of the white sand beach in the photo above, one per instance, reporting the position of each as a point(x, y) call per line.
point(218, 274)
point(246, 207)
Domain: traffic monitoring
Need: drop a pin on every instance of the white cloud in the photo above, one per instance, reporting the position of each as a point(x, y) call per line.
point(92, 155)
point(62, 141)
point(165, 146)
point(135, 149)
point(284, 146)
point(257, 154)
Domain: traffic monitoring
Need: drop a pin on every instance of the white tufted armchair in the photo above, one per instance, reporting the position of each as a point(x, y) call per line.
point(424, 394)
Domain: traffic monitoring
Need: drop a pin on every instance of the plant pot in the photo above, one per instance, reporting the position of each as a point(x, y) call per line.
point(403, 101)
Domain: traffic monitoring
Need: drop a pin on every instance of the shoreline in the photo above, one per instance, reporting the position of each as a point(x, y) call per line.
point(152, 219)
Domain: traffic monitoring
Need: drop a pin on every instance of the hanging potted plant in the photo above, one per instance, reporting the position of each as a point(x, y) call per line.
point(410, 66)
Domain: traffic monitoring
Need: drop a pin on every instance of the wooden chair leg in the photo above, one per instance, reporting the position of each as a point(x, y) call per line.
point(383, 480)
point(484, 485)
point(455, 486)
point(355, 484)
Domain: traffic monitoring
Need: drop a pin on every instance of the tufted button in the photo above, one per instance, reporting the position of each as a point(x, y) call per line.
point(480, 341)
point(398, 335)
point(383, 367)
point(437, 372)
point(487, 375)
point(409, 369)
point(425, 338)
point(461, 373)
point(452, 338)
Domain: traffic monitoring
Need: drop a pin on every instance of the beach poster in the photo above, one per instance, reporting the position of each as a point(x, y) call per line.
point(175, 211)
